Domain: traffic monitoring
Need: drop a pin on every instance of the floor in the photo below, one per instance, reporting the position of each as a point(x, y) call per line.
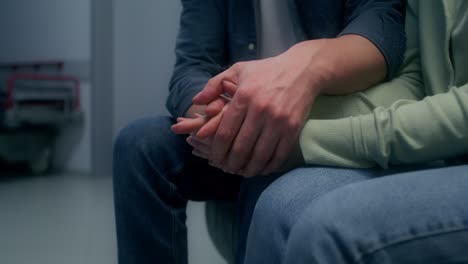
point(56, 219)
point(68, 218)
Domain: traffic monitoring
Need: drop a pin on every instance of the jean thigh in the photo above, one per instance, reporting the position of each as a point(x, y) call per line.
point(415, 217)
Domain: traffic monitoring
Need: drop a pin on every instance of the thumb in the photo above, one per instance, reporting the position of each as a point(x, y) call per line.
point(216, 106)
point(214, 87)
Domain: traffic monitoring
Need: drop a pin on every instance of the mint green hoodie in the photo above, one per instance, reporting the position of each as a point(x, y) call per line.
point(421, 115)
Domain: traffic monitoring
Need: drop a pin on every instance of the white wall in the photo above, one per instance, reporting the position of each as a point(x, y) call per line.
point(45, 29)
point(53, 30)
point(144, 38)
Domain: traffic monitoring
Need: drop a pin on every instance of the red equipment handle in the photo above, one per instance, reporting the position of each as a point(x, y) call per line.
point(41, 77)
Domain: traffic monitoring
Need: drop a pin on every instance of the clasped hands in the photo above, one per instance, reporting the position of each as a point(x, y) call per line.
point(254, 132)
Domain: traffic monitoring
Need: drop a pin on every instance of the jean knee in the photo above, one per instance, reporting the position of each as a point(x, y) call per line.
point(317, 232)
point(138, 132)
point(277, 204)
point(145, 143)
point(287, 197)
point(270, 206)
point(143, 133)
point(346, 220)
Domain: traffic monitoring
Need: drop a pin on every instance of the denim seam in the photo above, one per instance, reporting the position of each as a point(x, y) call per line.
point(177, 169)
point(360, 259)
point(144, 148)
point(166, 175)
point(148, 188)
point(173, 235)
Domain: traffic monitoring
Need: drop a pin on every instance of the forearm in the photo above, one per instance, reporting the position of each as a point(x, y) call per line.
point(406, 132)
point(331, 142)
point(344, 65)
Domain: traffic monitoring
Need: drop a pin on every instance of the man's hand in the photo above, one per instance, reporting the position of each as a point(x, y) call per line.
point(267, 112)
point(204, 126)
point(202, 147)
point(273, 97)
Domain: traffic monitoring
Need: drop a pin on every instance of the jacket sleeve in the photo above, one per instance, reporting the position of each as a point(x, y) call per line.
point(333, 142)
point(200, 51)
point(383, 23)
point(407, 132)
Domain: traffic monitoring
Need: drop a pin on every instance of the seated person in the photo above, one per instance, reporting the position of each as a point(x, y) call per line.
point(416, 214)
point(155, 174)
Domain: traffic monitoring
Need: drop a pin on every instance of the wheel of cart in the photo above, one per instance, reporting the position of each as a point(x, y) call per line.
point(42, 163)
point(32, 147)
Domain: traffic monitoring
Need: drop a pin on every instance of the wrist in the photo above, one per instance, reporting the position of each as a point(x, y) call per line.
point(317, 69)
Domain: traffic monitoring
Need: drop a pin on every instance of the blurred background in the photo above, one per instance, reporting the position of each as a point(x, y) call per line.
point(98, 65)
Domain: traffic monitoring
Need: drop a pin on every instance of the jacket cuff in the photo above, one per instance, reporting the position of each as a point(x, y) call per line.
point(181, 95)
point(186, 102)
point(333, 143)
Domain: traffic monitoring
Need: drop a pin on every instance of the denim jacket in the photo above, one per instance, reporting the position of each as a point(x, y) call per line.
point(215, 34)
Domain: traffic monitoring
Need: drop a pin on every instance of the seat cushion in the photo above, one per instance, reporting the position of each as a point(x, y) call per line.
point(220, 219)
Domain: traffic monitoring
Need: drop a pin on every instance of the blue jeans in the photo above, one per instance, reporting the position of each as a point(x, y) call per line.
point(155, 175)
point(326, 215)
